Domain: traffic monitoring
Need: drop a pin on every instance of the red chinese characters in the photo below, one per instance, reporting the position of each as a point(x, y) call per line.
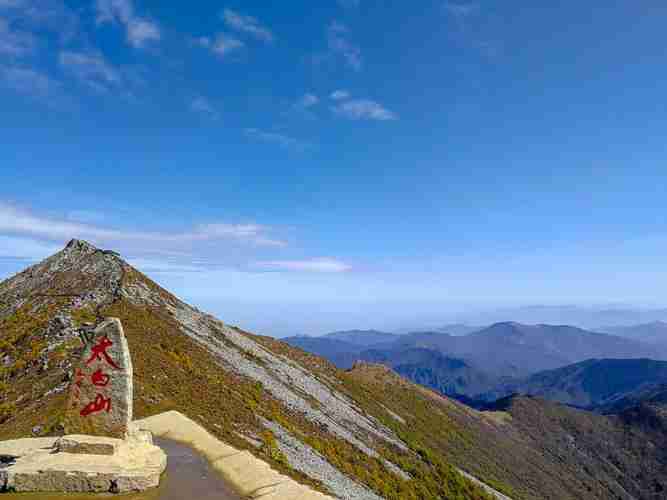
point(98, 378)
point(100, 351)
point(100, 403)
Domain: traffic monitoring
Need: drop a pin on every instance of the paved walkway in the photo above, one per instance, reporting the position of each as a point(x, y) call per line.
point(249, 475)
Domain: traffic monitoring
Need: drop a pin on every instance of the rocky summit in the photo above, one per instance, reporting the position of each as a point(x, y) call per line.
point(359, 434)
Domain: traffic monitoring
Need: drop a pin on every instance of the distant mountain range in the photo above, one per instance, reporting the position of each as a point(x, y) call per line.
point(494, 361)
point(653, 333)
point(363, 338)
point(590, 318)
point(364, 433)
point(594, 383)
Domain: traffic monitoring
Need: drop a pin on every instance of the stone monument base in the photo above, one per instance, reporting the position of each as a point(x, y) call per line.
point(81, 464)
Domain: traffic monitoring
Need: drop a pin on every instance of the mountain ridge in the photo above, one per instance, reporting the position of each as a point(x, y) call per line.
point(381, 435)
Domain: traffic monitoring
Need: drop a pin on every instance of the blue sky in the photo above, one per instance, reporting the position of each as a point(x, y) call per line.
point(298, 168)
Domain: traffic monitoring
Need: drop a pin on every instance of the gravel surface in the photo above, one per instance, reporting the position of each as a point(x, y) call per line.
point(304, 459)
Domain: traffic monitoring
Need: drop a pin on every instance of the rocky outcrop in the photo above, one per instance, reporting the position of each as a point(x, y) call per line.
point(100, 401)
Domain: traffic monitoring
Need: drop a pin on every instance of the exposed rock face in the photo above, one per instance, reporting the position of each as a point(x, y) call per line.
point(100, 400)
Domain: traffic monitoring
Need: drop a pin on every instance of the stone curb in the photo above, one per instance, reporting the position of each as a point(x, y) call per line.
point(246, 473)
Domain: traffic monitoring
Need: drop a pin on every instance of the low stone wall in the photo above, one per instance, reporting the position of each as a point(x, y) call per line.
point(81, 464)
point(249, 475)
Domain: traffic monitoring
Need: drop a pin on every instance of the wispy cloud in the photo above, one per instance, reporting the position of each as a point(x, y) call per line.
point(307, 101)
point(247, 24)
point(39, 17)
point(222, 45)
point(139, 31)
point(19, 222)
point(15, 43)
point(339, 43)
point(364, 109)
point(12, 247)
point(319, 265)
point(461, 12)
point(28, 81)
point(339, 95)
point(91, 69)
point(279, 139)
point(203, 106)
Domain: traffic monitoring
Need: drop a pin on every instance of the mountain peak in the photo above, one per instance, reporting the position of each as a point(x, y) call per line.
point(80, 245)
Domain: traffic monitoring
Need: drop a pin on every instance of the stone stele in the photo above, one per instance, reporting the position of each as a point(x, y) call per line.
point(100, 398)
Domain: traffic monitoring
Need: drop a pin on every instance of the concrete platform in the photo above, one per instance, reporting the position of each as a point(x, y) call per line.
point(79, 464)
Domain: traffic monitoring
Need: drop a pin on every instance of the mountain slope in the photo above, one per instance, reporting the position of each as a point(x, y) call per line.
point(450, 376)
point(244, 389)
point(653, 333)
point(651, 395)
point(379, 435)
point(542, 449)
point(590, 383)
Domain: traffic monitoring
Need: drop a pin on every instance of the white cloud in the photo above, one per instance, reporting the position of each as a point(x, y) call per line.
point(203, 106)
point(364, 109)
point(321, 265)
point(307, 101)
point(462, 11)
point(281, 140)
point(339, 43)
point(25, 248)
point(91, 69)
point(28, 81)
point(247, 24)
point(339, 95)
point(15, 43)
point(139, 31)
point(222, 45)
point(18, 222)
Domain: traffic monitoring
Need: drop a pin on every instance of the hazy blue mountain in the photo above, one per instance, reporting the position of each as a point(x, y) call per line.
point(655, 395)
point(340, 353)
point(363, 337)
point(497, 360)
point(427, 367)
point(585, 317)
point(653, 333)
point(591, 383)
point(458, 329)
point(514, 349)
